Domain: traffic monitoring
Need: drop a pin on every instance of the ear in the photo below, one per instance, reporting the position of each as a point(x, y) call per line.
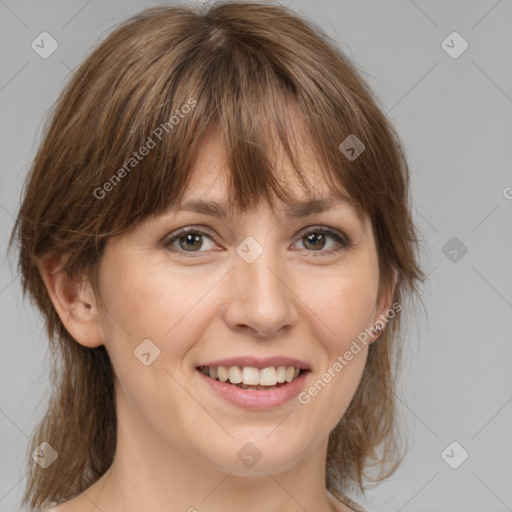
point(74, 301)
point(384, 310)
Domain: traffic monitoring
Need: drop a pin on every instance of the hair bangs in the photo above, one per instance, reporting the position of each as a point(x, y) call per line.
point(260, 113)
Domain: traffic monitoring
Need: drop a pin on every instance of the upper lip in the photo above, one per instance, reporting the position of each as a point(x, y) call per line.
point(257, 362)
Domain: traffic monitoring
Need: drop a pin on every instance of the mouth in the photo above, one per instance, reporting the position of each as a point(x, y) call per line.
point(253, 378)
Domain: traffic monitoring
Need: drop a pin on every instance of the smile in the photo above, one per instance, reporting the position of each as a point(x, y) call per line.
point(249, 377)
point(255, 388)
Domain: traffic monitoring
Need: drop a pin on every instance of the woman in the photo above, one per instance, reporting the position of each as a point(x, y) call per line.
point(216, 229)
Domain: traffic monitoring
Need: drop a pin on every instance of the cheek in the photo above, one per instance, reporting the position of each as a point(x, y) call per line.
point(342, 304)
point(342, 313)
point(165, 307)
point(161, 308)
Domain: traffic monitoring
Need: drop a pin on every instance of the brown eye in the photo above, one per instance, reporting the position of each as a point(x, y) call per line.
point(187, 241)
point(316, 240)
point(190, 241)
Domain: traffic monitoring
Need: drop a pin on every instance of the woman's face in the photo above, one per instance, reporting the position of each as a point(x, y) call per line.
point(257, 289)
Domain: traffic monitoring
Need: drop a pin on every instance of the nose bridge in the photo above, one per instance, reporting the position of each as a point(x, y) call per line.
point(259, 262)
point(259, 298)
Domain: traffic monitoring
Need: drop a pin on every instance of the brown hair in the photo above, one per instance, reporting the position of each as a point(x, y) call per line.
point(242, 66)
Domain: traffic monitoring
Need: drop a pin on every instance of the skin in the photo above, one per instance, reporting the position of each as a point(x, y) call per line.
point(177, 439)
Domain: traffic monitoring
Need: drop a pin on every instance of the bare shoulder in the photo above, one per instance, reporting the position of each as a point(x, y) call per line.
point(340, 507)
point(342, 503)
point(73, 505)
point(83, 502)
point(63, 507)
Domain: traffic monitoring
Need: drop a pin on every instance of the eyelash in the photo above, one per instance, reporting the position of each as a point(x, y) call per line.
point(343, 241)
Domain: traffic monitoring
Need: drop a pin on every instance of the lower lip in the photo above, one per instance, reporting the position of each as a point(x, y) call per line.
point(257, 399)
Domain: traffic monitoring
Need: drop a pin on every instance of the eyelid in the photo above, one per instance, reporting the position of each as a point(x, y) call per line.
point(187, 229)
point(328, 230)
point(343, 240)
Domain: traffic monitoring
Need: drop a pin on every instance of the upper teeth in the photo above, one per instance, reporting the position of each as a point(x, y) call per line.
point(249, 375)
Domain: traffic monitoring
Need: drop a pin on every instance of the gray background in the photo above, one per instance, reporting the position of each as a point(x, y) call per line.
point(454, 116)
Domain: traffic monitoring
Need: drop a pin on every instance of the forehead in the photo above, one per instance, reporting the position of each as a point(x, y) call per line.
point(208, 189)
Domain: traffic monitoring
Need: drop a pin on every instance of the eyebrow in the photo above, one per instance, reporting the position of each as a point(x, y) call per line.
point(300, 209)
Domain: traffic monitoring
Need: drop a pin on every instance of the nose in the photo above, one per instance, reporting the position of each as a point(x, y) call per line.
point(260, 301)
